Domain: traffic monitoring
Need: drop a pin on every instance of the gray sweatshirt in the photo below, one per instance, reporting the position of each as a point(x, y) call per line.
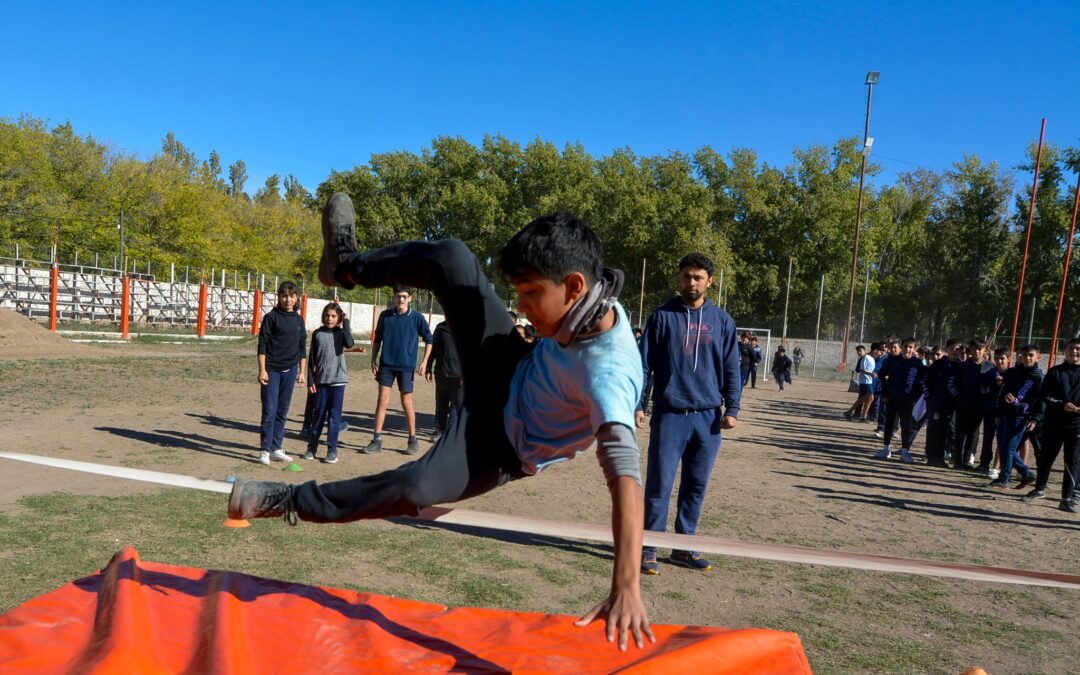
point(326, 364)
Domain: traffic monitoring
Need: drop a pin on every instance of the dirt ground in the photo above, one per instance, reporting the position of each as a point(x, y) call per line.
point(793, 472)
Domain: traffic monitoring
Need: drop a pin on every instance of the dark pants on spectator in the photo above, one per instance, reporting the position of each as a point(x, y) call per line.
point(940, 429)
point(908, 429)
point(880, 405)
point(692, 439)
point(781, 377)
point(753, 377)
point(276, 395)
point(1053, 439)
point(966, 438)
point(328, 401)
point(448, 398)
point(989, 434)
point(475, 455)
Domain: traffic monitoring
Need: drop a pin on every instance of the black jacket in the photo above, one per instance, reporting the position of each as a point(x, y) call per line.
point(1060, 386)
point(283, 339)
point(444, 355)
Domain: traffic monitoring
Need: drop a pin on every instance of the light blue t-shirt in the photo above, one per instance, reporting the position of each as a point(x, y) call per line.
point(561, 396)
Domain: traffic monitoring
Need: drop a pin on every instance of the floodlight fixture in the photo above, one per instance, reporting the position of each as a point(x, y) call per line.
point(872, 77)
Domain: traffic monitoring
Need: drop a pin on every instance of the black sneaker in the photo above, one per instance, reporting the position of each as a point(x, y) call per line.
point(375, 446)
point(691, 559)
point(331, 457)
point(1067, 507)
point(339, 240)
point(1037, 493)
point(261, 499)
point(1026, 481)
point(413, 447)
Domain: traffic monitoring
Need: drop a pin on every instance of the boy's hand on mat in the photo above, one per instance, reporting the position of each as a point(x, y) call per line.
point(625, 613)
point(729, 422)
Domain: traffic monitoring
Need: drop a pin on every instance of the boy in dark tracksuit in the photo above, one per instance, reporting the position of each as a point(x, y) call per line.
point(1060, 412)
point(443, 366)
point(989, 387)
point(964, 388)
point(1018, 407)
point(781, 368)
point(940, 405)
point(905, 383)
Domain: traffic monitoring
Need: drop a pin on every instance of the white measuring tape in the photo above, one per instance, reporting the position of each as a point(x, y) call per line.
point(602, 533)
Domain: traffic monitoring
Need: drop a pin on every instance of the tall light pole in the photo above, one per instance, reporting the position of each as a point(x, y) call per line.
point(871, 80)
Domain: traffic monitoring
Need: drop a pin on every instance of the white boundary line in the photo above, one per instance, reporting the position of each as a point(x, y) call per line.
point(590, 532)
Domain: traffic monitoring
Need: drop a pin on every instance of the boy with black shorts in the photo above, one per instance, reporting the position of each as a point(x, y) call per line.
point(525, 407)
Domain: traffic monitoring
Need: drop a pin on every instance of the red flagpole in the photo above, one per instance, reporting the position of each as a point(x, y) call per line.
point(1065, 272)
point(1027, 241)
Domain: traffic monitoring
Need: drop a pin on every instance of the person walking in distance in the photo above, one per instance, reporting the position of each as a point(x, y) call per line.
point(395, 341)
point(689, 347)
point(444, 368)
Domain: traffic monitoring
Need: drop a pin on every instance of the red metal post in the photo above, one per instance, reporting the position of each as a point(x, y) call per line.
point(303, 308)
point(1027, 240)
point(256, 312)
point(203, 293)
point(125, 306)
point(54, 290)
point(1065, 273)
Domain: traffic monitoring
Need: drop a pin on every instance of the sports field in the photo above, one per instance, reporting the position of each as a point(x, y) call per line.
point(794, 472)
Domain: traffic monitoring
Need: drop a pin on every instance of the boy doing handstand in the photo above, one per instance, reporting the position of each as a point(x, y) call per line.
point(524, 407)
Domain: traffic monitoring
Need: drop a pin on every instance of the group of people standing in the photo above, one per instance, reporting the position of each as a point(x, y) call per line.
point(958, 393)
point(284, 358)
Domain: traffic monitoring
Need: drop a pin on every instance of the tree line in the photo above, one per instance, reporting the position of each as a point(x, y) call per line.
point(943, 249)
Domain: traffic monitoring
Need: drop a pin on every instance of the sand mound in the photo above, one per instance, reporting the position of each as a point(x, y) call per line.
point(23, 338)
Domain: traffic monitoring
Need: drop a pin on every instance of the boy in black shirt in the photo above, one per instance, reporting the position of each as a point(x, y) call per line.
point(1060, 415)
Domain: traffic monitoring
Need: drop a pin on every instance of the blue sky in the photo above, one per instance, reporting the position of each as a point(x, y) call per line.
point(304, 88)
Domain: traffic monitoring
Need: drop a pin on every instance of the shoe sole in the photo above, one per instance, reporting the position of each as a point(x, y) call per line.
point(331, 256)
point(330, 461)
point(651, 572)
point(234, 499)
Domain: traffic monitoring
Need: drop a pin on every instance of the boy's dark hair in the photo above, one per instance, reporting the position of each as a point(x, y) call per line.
point(875, 346)
point(976, 343)
point(1027, 348)
point(908, 341)
point(1072, 341)
point(333, 306)
point(951, 342)
point(860, 348)
point(1001, 351)
point(403, 289)
point(531, 332)
point(554, 246)
point(698, 261)
point(286, 288)
point(780, 349)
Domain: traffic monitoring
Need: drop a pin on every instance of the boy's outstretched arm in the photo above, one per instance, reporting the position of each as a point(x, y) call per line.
point(623, 608)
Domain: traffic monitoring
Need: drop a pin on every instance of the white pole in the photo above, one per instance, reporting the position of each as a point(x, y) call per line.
point(787, 296)
point(720, 290)
point(817, 331)
point(641, 298)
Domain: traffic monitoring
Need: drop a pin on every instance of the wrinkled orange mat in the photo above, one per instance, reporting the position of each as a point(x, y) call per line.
point(143, 617)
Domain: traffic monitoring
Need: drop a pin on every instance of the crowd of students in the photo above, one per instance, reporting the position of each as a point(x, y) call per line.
point(958, 393)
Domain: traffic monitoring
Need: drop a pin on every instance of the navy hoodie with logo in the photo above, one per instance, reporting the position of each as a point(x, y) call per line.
point(1023, 383)
point(905, 380)
point(693, 356)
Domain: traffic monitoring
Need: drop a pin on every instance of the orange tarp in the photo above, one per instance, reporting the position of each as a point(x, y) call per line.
point(142, 617)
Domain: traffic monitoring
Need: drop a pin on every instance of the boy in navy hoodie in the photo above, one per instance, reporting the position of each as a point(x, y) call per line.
point(941, 404)
point(1060, 412)
point(905, 383)
point(989, 386)
point(689, 347)
point(964, 388)
point(1018, 404)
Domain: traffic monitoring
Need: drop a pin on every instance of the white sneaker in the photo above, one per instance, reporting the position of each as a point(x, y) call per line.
point(884, 453)
point(280, 456)
point(993, 474)
point(906, 457)
point(879, 434)
point(264, 458)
